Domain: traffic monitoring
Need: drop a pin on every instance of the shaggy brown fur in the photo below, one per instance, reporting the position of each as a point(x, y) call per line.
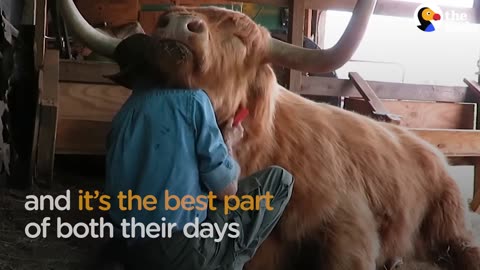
point(365, 191)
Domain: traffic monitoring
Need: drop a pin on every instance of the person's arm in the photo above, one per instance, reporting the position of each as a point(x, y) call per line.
point(232, 135)
point(219, 172)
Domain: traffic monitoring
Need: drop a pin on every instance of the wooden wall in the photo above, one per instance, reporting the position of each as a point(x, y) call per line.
point(115, 13)
point(121, 12)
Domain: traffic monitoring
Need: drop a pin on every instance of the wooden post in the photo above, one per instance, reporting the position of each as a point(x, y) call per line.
point(320, 21)
point(48, 113)
point(308, 23)
point(314, 26)
point(40, 31)
point(295, 36)
point(475, 204)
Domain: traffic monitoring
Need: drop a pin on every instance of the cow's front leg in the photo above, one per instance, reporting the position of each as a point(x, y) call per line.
point(392, 264)
point(352, 239)
point(271, 255)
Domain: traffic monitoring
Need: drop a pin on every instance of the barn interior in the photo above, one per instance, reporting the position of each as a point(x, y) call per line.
point(57, 104)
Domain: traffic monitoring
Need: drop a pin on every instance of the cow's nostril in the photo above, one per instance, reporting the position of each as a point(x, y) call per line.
point(163, 21)
point(196, 26)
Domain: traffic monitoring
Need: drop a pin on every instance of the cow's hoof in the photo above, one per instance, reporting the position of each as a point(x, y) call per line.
point(394, 263)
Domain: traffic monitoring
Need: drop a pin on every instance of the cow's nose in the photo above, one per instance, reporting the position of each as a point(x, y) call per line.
point(196, 26)
point(182, 23)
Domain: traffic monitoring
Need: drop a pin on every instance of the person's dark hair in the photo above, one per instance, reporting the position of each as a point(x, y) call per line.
point(141, 64)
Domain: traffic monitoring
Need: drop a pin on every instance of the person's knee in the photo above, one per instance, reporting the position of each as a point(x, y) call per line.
point(286, 178)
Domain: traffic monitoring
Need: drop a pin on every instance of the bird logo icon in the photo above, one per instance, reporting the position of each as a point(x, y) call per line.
point(425, 16)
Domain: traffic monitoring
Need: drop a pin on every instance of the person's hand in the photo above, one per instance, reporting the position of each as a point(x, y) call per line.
point(232, 134)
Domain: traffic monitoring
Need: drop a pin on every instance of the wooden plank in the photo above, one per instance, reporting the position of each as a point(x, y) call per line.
point(88, 137)
point(417, 114)
point(475, 204)
point(461, 161)
point(87, 71)
point(81, 137)
point(383, 7)
point(295, 36)
point(280, 3)
point(320, 30)
point(375, 105)
point(40, 32)
point(453, 142)
point(95, 102)
point(308, 23)
point(323, 86)
point(474, 87)
point(48, 117)
point(112, 13)
point(367, 92)
point(36, 128)
point(92, 72)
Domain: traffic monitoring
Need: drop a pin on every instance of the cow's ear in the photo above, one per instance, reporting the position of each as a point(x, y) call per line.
point(131, 57)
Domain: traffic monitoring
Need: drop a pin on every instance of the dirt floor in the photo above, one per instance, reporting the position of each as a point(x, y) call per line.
point(18, 252)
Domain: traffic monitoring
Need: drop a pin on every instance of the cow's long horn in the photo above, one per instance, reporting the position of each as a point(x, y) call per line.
point(94, 39)
point(320, 61)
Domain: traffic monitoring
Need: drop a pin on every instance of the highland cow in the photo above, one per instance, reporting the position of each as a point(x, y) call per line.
point(366, 192)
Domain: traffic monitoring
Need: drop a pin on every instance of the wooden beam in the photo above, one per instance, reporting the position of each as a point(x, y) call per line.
point(81, 137)
point(423, 114)
point(279, 3)
point(111, 13)
point(475, 205)
point(383, 7)
point(377, 108)
point(96, 102)
point(323, 86)
point(40, 32)
point(474, 87)
point(92, 72)
point(461, 161)
point(320, 30)
point(87, 71)
point(307, 25)
point(453, 142)
point(386, 7)
point(48, 117)
point(88, 137)
point(295, 36)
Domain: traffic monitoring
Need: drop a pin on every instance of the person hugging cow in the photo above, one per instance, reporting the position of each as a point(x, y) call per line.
point(165, 137)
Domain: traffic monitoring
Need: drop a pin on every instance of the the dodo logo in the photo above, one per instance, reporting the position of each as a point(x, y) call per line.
point(428, 17)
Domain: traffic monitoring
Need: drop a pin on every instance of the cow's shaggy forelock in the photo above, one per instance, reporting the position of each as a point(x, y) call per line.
point(232, 64)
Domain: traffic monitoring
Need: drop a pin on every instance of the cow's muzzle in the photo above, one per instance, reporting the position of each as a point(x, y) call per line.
point(166, 55)
point(186, 29)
